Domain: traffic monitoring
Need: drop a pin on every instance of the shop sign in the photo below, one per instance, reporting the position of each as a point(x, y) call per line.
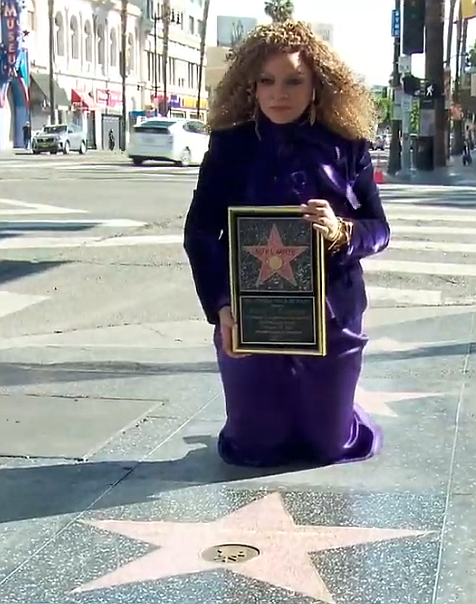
point(189, 102)
point(11, 38)
point(109, 98)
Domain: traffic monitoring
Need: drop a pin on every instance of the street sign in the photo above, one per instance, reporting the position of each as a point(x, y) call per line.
point(396, 24)
point(405, 64)
point(407, 102)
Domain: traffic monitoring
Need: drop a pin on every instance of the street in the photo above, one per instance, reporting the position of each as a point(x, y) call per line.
point(106, 359)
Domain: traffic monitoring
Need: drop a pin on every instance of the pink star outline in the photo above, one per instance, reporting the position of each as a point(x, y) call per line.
point(284, 559)
point(275, 249)
point(378, 402)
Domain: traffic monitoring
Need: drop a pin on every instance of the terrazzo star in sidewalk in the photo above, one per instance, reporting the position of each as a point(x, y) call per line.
point(264, 524)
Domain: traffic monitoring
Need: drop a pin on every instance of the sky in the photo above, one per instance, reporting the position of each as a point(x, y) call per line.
point(362, 30)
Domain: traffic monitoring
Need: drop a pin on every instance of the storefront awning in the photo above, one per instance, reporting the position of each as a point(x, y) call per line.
point(82, 100)
point(40, 91)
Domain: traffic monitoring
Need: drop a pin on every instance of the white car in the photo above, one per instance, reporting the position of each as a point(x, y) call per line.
point(179, 140)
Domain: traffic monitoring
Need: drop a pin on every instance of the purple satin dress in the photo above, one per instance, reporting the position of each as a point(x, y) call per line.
point(285, 409)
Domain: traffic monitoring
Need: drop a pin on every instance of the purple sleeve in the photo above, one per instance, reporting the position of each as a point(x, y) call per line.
point(204, 225)
point(370, 232)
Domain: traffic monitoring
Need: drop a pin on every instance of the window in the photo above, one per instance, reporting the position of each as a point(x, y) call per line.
point(59, 38)
point(199, 27)
point(113, 48)
point(172, 71)
point(191, 25)
point(73, 25)
point(101, 45)
point(31, 16)
point(88, 42)
point(130, 54)
point(191, 75)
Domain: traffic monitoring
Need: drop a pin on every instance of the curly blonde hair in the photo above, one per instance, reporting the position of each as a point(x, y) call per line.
point(342, 102)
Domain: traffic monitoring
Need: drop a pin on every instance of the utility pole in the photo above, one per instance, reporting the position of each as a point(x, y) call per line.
point(394, 159)
point(434, 71)
point(156, 64)
point(123, 67)
point(203, 45)
point(51, 59)
point(165, 54)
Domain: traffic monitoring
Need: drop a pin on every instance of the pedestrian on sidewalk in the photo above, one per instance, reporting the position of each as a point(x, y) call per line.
point(289, 126)
point(112, 140)
point(27, 135)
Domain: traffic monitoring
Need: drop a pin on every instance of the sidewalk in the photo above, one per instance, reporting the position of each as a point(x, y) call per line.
point(152, 515)
point(455, 174)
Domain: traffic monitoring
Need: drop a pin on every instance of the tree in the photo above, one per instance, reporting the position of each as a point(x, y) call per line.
point(279, 10)
point(203, 43)
point(434, 70)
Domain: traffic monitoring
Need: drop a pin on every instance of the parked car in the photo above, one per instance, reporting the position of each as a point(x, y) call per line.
point(178, 140)
point(61, 138)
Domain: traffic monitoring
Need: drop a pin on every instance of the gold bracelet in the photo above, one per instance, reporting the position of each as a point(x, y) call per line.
point(343, 236)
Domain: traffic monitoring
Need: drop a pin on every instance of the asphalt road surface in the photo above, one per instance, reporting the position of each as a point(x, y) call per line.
point(88, 244)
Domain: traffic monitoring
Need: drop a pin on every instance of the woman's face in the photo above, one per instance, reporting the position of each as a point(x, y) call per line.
point(284, 88)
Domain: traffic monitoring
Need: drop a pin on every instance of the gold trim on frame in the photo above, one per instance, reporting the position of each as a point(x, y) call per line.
point(320, 286)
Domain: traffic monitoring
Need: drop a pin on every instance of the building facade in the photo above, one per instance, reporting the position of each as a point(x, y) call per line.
point(183, 59)
point(87, 82)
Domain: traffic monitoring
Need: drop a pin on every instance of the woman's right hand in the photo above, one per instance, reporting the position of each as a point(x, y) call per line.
point(227, 324)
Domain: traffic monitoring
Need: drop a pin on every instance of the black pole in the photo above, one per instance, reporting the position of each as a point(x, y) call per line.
point(394, 159)
point(165, 53)
point(123, 72)
point(156, 61)
point(51, 59)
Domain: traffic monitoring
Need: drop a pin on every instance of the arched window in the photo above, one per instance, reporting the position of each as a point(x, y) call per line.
point(130, 53)
point(113, 48)
point(101, 45)
point(74, 33)
point(88, 42)
point(59, 38)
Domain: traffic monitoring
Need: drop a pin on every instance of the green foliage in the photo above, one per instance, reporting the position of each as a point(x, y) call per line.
point(415, 117)
point(279, 10)
point(384, 109)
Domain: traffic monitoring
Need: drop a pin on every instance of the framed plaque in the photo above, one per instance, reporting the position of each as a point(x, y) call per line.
point(277, 281)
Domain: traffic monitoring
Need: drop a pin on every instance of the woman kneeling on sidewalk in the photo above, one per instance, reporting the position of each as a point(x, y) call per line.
point(288, 105)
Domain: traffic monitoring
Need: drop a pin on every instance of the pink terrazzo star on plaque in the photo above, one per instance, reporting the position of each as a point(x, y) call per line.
point(376, 403)
point(264, 524)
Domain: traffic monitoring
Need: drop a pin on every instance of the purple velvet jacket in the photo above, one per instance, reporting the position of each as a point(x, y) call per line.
point(343, 174)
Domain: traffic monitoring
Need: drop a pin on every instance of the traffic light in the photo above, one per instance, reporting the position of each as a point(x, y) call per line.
point(413, 36)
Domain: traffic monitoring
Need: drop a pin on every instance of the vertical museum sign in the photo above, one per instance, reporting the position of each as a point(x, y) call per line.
point(11, 37)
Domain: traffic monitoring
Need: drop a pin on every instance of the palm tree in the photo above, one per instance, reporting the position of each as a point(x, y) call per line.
point(434, 70)
point(203, 46)
point(279, 10)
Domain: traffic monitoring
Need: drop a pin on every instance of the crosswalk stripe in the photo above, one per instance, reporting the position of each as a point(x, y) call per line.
point(432, 230)
point(422, 268)
point(9, 226)
point(11, 302)
point(22, 207)
point(404, 296)
point(434, 246)
point(422, 217)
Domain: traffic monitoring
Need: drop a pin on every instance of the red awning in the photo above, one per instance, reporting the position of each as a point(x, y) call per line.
point(82, 100)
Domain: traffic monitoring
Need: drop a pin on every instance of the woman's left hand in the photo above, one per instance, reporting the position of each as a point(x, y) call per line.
point(320, 213)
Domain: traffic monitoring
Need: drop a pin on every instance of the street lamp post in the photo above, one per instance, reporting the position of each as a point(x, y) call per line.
point(51, 59)
point(156, 83)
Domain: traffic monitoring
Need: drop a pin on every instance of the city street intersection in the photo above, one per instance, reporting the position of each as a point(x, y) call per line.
point(111, 490)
